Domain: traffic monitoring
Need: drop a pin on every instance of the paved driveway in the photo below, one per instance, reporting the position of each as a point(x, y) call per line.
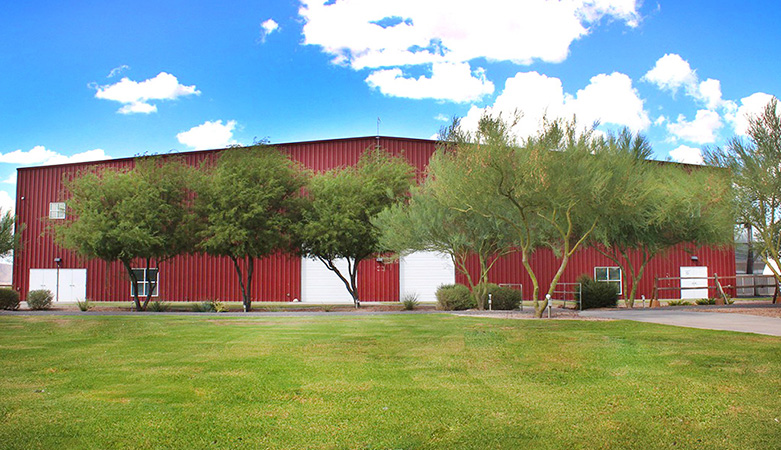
point(743, 323)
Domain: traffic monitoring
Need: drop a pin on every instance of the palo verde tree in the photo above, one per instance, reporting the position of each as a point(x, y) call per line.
point(341, 204)
point(662, 205)
point(754, 164)
point(248, 204)
point(124, 215)
point(551, 188)
point(426, 224)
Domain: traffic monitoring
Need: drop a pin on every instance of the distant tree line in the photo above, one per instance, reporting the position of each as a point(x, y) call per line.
point(486, 193)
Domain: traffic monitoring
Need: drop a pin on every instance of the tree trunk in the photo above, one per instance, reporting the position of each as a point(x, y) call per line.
point(352, 272)
point(248, 285)
point(150, 287)
point(535, 284)
point(245, 287)
point(134, 281)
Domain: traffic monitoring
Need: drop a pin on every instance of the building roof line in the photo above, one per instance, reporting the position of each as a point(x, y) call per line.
point(195, 152)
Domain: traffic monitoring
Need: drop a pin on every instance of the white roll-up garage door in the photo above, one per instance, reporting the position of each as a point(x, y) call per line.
point(320, 285)
point(422, 273)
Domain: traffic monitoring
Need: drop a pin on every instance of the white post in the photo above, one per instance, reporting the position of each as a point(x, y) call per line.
point(550, 304)
point(489, 302)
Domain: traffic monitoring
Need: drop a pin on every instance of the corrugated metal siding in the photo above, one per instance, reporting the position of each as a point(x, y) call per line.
point(509, 268)
point(198, 277)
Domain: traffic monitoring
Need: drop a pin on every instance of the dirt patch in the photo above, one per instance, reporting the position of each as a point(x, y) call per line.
point(764, 312)
point(556, 314)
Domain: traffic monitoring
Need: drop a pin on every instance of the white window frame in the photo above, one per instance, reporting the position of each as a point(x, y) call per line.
point(143, 283)
point(57, 210)
point(607, 279)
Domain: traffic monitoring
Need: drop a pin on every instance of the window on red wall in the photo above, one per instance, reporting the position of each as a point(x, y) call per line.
point(610, 275)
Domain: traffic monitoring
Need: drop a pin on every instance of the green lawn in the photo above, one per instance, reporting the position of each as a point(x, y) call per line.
point(382, 382)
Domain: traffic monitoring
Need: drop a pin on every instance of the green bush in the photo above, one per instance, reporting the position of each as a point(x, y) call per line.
point(503, 298)
point(9, 299)
point(158, 306)
point(454, 297)
point(597, 294)
point(40, 299)
point(83, 305)
point(410, 301)
point(680, 303)
point(210, 306)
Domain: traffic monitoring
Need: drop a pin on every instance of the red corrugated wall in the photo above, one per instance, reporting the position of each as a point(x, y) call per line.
point(509, 269)
point(198, 277)
point(278, 278)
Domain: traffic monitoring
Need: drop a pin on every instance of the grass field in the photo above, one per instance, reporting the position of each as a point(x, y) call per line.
point(382, 382)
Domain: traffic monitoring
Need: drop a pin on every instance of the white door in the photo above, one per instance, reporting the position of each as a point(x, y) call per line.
point(422, 273)
point(320, 285)
point(72, 283)
point(694, 277)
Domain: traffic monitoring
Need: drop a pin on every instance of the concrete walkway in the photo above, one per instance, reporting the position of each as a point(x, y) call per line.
point(743, 323)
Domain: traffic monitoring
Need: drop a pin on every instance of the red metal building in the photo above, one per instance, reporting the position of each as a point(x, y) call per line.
point(41, 263)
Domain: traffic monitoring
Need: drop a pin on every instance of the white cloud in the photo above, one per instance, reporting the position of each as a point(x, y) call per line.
point(36, 155)
point(454, 82)
point(117, 70)
point(442, 118)
point(266, 28)
point(387, 33)
point(671, 72)
point(688, 155)
point(752, 105)
point(609, 99)
point(41, 155)
point(11, 179)
point(709, 91)
point(660, 120)
point(136, 96)
point(7, 203)
point(97, 154)
point(701, 130)
point(209, 135)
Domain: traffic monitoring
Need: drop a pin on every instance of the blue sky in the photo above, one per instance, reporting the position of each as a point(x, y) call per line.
point(88, 80)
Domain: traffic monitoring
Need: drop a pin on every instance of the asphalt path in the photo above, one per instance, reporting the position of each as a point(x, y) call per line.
point(743, 323)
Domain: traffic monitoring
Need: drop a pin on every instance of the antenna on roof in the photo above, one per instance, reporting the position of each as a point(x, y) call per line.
point(378, 131)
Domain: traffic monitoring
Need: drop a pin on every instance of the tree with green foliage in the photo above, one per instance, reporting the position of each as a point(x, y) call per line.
point(9, 236)
point(551, 188)
point(341, 204)
point(426, 224)
point(124, 215)
point(249, 203)
point(665, 205)
point(754, 163)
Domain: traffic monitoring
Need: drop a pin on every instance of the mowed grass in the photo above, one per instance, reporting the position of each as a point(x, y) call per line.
point(382, 382)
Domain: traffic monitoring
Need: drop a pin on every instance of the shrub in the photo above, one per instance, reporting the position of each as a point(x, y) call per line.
point(680, 303)
point(705, 301)
point(210, 306)
point(9, 299)
point(454, 297)
point(203, 307)
point(503, 298)
point(158, 306)
point(596, 294)
point(40, 299)
point(410, 301)
point(83, 305)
